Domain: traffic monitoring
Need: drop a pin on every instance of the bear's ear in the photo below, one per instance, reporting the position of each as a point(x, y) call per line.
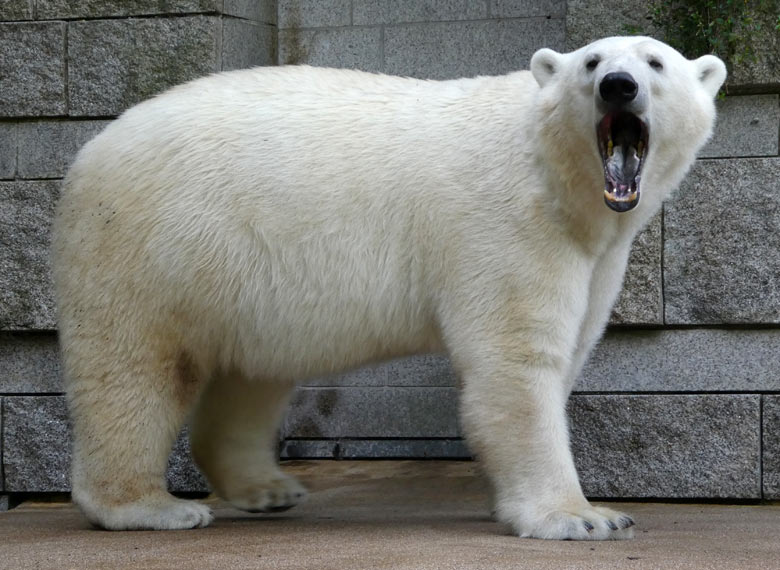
point(711, 72)
point(544, 65)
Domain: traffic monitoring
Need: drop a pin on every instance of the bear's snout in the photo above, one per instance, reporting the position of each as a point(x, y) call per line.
point(618, 88)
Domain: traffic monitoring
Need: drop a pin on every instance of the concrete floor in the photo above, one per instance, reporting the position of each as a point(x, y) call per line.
point(395, 515)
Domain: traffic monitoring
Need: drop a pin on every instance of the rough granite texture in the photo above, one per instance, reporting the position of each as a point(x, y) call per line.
point(590, 20)
point(374, 448)
point(64, 9)
point(527, 8)
point(668, 446)
point(247, 44)
point(114, 64)
point(313, 13)
point(36, 444)
point(722, 247)
point(29, 363)
point(32, 68)
point(354, 48)
point(7, 150)
point(183, 475)
point(463, 49)
point(372, 413)
point(641, 298)
point(26, 209)
point(16, 10)
point(368, 12)
point(46, 148)
point(686, 360)
point(771, 465)
point(747, 125)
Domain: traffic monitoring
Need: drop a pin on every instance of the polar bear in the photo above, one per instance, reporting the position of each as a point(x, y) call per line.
point(250, 229)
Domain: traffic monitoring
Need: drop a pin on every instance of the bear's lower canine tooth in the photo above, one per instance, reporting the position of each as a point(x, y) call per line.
point(610, 147)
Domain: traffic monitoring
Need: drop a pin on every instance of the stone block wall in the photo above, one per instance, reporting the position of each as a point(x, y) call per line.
point(680, 400)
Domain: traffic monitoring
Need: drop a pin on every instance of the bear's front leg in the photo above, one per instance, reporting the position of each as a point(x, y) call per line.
point(514, 413)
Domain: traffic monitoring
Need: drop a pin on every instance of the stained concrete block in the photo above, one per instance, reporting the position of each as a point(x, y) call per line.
point(29, 363)
point(372, 412)
point(422, 370)
point(4, 502)
point(114, 64)
point(66, 9)
point(46, 148)
point(459, 49)
point(641, 299)
point(36, 436)
point(8, 150)
point(721, 244)
point(32, 68)
point(261, 11)
point(3, 498)
point(309, 449)
point(247, 44)
point(527, 8)
point(16, 10)
point(684, 360)
point(747, 126)
point(590, 20)
point(371, 12)
point(668, 446)
point(771, 463)
point(313, 13)
point(26, 210)
point(762, 73)
point(356, 48)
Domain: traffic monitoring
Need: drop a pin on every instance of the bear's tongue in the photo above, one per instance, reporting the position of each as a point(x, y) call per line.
point(622, 140)
point(623, 167)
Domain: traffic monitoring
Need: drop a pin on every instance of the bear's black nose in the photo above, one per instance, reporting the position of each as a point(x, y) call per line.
point(618, 88)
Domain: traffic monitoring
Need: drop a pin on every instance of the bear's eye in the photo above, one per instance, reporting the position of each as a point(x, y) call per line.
point(592, 64)
point(655, 64)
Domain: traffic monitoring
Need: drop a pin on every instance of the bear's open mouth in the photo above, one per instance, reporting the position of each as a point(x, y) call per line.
point(622, 139)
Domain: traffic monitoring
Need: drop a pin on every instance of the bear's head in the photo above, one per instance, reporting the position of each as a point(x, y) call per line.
point(640, 108)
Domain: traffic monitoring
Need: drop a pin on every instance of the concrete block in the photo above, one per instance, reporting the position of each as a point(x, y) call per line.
point(32, 67)
point(66, 9)
point(684, 360)
point(527, 8)
point(422, 370)
point(3, 498)
point(4, 502)
point(641, 299)
point(29, 363)
point(747, 126)
point(721, 244)
point(36, 448)
point(313, 13)
point(459, 49)
point(404, 448)
point(261, 11)
point(371, 12)
point(590, 20)
point(355, 48)
point(16, 10)
point(26, 210)
point(8, 150)
point(771, 463)
point(114, 64)
point(372, 412)
point(46, 148)
point(668, 446)
point(247, 44)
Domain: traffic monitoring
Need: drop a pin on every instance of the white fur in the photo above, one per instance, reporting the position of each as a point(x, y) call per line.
point(254, 228)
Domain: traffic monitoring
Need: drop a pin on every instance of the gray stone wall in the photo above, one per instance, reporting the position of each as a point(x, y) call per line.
point(679, 400)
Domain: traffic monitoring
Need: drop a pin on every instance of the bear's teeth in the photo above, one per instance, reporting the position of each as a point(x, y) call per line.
point(610, 147)
point(639, 149)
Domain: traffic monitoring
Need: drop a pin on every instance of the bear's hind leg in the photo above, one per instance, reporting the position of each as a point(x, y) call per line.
point(127, 409)
point(234, 441)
